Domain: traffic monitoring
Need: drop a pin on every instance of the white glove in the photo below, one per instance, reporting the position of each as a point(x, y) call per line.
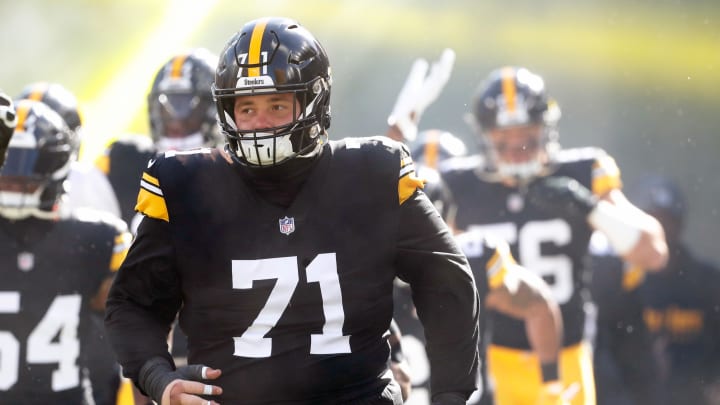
point(419, 91)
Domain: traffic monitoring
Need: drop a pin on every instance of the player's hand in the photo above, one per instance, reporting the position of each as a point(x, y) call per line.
point(564, 197)
point(401, 374)
point(8, 121)
point(422, 87)
point(178, 387)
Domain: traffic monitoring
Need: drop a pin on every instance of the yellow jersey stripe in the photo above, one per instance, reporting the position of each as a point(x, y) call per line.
point(407, 186)
point(152, 205)
point(122, 245)
point(102, 163)
point(255, 47)
point(152, 180)
point(508, 87)
point(605, 176)
point(498, 264)
point(177, 64)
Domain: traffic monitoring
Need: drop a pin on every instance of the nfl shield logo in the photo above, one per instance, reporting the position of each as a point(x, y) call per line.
point(25, 261)
point(287, 225)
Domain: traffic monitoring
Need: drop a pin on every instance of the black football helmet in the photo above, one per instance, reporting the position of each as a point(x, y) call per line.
point(61, 100)
point(274, 55)
point(433, 146)
point(38, 162)
point(8, 120)
point(180, 103)
point(514, 97)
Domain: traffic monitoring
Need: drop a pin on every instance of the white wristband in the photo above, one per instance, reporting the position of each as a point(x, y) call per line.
point(621, 228)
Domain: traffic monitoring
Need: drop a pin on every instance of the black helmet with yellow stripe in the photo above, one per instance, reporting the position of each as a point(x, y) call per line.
point(180, 103)
point(513, 100)
point(270, 56)
point(38, 162)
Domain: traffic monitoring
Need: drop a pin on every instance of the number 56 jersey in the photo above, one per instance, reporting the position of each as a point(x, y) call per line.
point(553, 247)
point(293, 304)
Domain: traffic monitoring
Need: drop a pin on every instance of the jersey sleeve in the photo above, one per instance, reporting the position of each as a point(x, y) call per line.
point(144, 298)
point(444, 293)
point(605, 174)
point(408, 181)
point(151, 200)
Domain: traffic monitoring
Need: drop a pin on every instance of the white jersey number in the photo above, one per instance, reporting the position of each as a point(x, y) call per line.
point(322, 270)
point(529, 238)
point(54, 340)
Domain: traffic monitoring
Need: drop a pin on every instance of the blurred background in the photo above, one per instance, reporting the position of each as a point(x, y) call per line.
point(640, 79)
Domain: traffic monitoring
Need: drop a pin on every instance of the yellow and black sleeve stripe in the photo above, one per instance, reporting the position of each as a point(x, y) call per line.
point(605, 175)
point(120, 250)
point(408, 181)
point(151, 201)
point(498, 265)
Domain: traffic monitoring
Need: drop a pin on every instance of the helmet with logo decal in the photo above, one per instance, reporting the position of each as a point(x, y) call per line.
point(516, 121)
point(274, 56)
point(38, 162)
point(180, 103)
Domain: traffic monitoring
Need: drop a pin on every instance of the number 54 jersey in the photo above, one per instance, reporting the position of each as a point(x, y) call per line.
point(293, 304)
point(51, 269)
point(553, 247)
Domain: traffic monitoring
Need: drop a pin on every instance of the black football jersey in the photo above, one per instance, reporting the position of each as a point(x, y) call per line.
point(123, 162)
point(50, 270)
point(293, 304)
point(491, 262)
point(555, 248)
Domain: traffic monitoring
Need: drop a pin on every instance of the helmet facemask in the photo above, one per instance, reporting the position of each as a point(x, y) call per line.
point(512, 103)
point(302, 137)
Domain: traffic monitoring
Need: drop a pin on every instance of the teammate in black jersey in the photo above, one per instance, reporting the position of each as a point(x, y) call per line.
point(504, 286)
point(8, 120)
point(181, 115)
point(545, 202)
point(281, 250)
point(56, 265)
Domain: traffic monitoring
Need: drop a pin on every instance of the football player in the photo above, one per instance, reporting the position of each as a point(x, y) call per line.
point(87, 187)
point(8, 120)
point(682, 305)
point(56, 265)
point(181, 114)
point(545, 202)
point(503, 286)
point(280, 251)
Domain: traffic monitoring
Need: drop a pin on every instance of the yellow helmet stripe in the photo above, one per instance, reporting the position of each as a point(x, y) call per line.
point(255, 46)
point(38, 92)
point(431, 150)
point(177, 64)
point(508, 87)
point(22, 112)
